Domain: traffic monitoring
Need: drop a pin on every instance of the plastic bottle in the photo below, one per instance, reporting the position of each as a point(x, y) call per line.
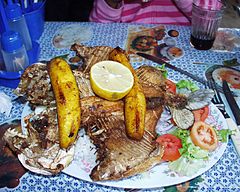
point(13, 51)
point(2, 66)
point(17, 22)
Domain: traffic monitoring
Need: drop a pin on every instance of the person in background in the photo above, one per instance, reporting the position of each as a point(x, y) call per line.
point(176, 12)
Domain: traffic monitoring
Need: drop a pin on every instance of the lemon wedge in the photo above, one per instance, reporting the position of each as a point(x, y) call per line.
point(111, 80)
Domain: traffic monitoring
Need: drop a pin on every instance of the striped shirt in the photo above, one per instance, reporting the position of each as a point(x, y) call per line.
point(176, 12)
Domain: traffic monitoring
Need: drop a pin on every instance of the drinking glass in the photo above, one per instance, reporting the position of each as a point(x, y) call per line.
point(206, 17)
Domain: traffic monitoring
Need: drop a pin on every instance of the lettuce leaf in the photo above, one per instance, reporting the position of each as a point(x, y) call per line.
point(187, 84)
point(185, 166)
point(223, 134)
point(192, 157)
point(189, 150)
point(164, 70)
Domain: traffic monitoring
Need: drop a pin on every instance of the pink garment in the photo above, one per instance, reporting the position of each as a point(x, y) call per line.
point(209, 4)
point(154, 12)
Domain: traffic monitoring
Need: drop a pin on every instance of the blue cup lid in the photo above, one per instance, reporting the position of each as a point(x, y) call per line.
point(13, 11)
point(11, 41)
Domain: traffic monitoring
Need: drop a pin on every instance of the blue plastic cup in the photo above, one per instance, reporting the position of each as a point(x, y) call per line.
point(35, 20)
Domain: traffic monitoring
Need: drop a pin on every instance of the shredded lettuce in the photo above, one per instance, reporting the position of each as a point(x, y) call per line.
point(187, 84)
point(223, 134)
point(192, 157)
point(185, 166)
point(189, 150)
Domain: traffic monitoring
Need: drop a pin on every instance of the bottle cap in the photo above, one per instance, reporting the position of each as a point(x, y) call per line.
point(13, 11)
point(11, 41)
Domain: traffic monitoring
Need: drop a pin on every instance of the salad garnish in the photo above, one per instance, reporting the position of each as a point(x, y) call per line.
point(198, 139)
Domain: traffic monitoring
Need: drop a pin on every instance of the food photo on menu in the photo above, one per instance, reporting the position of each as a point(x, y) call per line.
point(119, 106)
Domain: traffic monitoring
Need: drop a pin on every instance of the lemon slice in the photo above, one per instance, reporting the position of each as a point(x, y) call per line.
point(111, 80)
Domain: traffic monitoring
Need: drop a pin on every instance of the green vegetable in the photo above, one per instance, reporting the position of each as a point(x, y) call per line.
point(195, 152)
point(223, 134)
point(163, 69)
point(192, 157)
point(187, 84)
point(185, 166)
point(189, 150)
point(181, 134)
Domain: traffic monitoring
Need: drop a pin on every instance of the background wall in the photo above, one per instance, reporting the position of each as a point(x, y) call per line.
point(68, 10)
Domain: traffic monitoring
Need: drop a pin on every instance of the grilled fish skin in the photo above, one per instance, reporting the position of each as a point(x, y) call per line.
point(153, 84)
point(118, 155)
point(122, 157)
point(35, 85)
point(157, 92)
point(91, 55)
point(38, 147)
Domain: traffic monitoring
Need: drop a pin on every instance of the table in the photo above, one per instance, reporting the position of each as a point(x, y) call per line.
point(223, 176)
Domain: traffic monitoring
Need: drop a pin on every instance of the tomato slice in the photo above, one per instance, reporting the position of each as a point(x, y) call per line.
point(204, 136)
point(201, 114)
point(171, 86)
point(171, 144)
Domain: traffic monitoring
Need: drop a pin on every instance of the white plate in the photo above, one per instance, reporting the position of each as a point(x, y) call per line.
point(230, 75)
point(160, 175)
point(70, 34)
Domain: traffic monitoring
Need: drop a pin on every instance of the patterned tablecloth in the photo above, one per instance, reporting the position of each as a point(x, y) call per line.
point(223, 176)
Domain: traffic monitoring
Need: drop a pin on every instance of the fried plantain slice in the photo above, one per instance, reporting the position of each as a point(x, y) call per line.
point(67, 97)
point(135, 102)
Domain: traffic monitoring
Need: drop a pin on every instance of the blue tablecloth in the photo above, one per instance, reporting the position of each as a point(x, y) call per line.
point(223, 176)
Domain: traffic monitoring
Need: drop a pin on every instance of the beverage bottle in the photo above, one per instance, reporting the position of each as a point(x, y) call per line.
point(13, 51)
point(17, 22)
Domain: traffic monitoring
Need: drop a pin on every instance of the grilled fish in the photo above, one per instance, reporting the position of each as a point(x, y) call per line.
point(36, 87)
point(117, 155)
point(91, 55)
point(104, 123)
point(38, 149)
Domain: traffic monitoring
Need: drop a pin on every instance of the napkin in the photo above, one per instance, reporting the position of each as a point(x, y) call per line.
point(5, 104)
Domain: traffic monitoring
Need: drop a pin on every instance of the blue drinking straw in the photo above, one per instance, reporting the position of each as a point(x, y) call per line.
point(3, 19)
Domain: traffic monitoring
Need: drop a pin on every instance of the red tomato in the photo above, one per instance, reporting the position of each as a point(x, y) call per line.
point(171, 145)
point(204, 136)
point(171, 86)
point(201, 114)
